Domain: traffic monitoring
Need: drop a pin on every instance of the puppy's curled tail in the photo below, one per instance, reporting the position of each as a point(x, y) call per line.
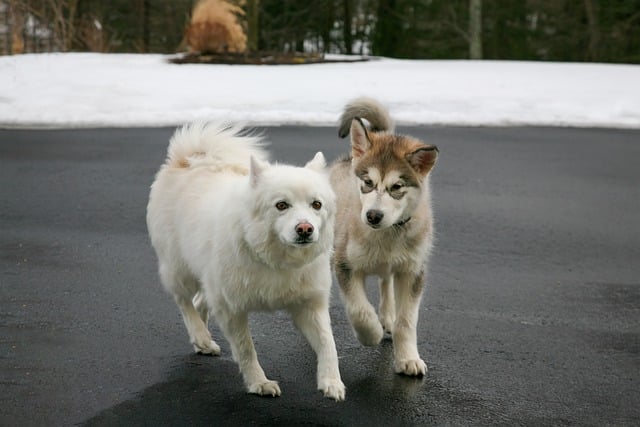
point(365, 108)
point(214, 144)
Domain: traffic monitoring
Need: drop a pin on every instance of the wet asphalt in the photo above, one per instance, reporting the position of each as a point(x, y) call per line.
point(531, 314)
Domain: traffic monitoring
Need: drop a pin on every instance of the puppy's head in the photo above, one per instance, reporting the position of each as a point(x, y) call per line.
point(392, 171)
point(293, 211)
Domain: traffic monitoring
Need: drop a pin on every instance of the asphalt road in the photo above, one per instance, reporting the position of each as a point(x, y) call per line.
point(531, 314)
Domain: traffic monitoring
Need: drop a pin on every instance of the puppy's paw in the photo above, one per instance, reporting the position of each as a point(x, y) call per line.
point(208, 347)
point(267, 388)
point(387, 323)
point(370, 336)
point(333, 389)
point(411, 367)
point(367, 327)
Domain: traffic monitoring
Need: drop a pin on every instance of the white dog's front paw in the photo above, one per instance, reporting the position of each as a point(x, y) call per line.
point(267, 388)
point(333, 389)
point(411, 367)
point(207, 347)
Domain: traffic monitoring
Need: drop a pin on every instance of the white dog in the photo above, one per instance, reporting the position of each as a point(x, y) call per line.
point(234, 234)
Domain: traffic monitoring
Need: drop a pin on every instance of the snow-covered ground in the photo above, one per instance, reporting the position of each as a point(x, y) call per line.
point(87, 90)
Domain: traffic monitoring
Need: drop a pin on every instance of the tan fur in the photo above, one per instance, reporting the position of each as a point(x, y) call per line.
point(395, 251)
point(214, 28)
point(369, 109)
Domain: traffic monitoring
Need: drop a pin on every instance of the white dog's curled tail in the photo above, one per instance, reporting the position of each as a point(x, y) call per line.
point(369, 109)
point(214, 144)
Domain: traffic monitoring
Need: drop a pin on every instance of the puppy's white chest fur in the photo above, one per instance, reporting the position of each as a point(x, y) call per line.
point(387, 252)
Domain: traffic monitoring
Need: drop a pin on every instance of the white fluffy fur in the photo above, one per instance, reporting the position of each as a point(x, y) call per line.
point(225, 248)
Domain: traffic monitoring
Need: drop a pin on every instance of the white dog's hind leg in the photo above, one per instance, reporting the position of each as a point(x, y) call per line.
point(198, 333)
point(200, 303)
point(360, 311)
point(387, 307)
point(315, 324)
point(183, 290)
point(408, 291)
point(235, 327)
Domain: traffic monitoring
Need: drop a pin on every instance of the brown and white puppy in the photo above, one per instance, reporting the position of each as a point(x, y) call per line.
point(384, 227)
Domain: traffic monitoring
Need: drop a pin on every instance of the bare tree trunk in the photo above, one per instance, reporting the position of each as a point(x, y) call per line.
point(386, 38)
point(326, 10)
point(594, 30)
point(253, 12)
point(15, 16)
point(63, 19)
point(348, 39)
point(145, 25)
point(475, 29)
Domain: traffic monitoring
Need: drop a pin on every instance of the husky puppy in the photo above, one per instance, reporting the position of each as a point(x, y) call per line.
point(384, 227)
point(234, 234)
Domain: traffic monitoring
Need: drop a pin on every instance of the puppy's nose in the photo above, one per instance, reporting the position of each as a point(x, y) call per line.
point(374, 216)
point(304, 229)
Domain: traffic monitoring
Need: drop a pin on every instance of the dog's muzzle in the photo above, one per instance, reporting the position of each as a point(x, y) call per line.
point(374, 217)
point(304, 232)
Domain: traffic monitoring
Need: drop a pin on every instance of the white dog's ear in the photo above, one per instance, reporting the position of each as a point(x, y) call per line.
point(318, 163)
point(255, 170)
point(360, 143)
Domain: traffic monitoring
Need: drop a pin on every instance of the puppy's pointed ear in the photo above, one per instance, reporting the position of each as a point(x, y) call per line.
point(318, 163)
point(255, 170)
point(423, 159)
point(360, 142)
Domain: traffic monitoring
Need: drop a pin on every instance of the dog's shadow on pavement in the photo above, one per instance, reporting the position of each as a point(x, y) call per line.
point(379, 375)
point(205, 390)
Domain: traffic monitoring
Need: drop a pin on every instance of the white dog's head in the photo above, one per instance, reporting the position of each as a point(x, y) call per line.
point(293, 212)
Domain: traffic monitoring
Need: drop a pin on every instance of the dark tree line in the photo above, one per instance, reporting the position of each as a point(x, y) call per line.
point(558, 30)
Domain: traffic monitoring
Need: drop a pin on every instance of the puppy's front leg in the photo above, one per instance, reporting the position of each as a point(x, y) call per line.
point(408, 291)
point(360, 311)
point(313, 321)
point(235, 327)
point(387, 307)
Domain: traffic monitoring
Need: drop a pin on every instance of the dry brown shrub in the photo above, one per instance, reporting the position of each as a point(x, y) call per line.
point(215, 27)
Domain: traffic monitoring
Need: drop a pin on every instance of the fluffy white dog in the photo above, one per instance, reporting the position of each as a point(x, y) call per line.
point(234, 234)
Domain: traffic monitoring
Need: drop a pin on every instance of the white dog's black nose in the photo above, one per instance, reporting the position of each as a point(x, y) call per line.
point(304, 229)
point(374, 216)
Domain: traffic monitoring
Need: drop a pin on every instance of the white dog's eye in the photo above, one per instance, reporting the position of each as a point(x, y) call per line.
point(396, 187)
point(282, 205)
point(316, 205)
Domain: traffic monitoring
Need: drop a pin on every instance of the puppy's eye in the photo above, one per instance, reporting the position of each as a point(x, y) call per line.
point(282, 205)
point(316, 205)
point(396, 187)
point(367, 182)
